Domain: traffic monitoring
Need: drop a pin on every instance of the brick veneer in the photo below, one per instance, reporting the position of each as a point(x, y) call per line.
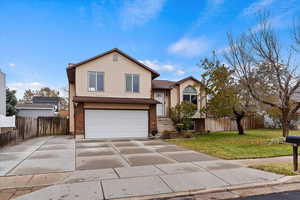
point(79, 119)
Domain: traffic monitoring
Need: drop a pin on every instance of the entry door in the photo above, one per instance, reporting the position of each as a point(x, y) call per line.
point(116, 123)
point(160, 108)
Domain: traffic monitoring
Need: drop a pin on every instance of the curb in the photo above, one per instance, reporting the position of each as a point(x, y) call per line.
point(214, 190)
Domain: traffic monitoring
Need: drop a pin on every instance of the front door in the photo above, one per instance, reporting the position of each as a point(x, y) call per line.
point(160, 108)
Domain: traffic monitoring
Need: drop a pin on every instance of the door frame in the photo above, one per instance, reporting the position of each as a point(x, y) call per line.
point(162, 103)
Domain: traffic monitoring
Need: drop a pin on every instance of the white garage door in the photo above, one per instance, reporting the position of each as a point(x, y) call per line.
point(116, 123)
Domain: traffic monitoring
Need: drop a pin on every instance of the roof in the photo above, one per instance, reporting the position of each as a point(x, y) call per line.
point(162, 84)
point(42, 99)
point(165, 84)
point(35, 106)
point(187, 78)
point(72, 66)
point(113, 100)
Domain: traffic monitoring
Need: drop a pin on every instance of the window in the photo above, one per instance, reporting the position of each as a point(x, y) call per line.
point(132, 82)
point(115, 57)
point(190, 94)
point(96, 81)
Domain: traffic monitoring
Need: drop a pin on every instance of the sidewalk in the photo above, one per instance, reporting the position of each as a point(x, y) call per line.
point(136, 182)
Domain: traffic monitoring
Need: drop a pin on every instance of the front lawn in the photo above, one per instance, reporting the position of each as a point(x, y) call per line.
point(256, 143)
point(278, 168)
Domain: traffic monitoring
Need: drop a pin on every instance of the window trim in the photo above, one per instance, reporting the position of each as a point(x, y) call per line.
point(190, 94)
point(88, 85)
point(127, 74)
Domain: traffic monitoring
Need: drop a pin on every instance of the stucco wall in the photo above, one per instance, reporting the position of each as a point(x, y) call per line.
point(177, 94)
point(114, 77)
point(174, 96)
point(2, 94)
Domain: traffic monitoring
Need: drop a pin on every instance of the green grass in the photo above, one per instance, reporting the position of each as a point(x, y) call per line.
point(229, 145)
point(278, 168)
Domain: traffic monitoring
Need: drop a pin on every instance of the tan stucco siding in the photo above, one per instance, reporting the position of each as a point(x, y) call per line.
point(71, 117)
point(201, 94)
point(174, 96)
point(116, 106)
point(114, 77)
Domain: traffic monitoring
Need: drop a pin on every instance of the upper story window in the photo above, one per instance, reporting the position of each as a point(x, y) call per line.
point(190, 94)
point(132, 82)
point(96, 81)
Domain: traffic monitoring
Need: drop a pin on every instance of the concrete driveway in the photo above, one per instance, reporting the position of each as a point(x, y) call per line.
point(102, 169)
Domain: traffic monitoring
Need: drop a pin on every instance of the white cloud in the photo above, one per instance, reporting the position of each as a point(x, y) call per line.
point(12, 64)
point(257, 6)
point(163, 67)
point(20, 87)
point(139, 12)
point(190, 47)
point(158, 66)
point(180, 72)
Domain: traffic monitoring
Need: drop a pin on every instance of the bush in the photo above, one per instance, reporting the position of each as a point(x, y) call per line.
point(182, 115)
point(188, 134)
point(174, 134)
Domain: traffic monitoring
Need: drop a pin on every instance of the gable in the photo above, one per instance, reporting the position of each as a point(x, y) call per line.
point(71, 68)
point(112, 63)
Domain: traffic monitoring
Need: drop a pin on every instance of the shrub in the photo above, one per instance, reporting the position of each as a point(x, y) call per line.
point(170, 135)
point(182, 115)
point(188, 134)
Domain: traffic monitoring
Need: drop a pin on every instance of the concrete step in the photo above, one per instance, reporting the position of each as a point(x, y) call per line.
point(165, 124)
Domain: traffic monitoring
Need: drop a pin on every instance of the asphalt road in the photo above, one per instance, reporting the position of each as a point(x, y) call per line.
point(291, 195)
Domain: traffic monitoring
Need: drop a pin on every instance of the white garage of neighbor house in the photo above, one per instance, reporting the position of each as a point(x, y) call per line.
point(35, 110)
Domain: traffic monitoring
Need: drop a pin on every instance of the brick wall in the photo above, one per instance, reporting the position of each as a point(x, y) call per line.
point(152, 119)
point(79, 119)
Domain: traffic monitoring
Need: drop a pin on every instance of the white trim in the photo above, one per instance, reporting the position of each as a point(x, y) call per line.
point(33, 108)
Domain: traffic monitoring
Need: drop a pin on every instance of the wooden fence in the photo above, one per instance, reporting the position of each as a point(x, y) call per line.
point(227, 124)
point(28, 127)
point(52, 126)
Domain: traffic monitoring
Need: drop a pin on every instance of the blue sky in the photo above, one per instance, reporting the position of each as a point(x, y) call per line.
point(39, 38)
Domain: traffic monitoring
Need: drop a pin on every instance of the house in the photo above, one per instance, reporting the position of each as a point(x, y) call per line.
point(2, 94)
point(55, 101)
point(112, 95)
point(35, 110)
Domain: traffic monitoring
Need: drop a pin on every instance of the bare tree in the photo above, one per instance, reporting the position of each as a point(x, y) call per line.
point(267, 69)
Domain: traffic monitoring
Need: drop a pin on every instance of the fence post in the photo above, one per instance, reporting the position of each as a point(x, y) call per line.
point(37, 126)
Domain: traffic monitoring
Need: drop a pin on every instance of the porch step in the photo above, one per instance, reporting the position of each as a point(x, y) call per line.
point(165, 124)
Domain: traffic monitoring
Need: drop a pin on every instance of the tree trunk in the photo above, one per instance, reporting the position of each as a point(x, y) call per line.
point(285, 125)
point(239, 124)
point(238, 118)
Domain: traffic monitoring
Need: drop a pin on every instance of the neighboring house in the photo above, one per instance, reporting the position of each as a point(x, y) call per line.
point(2, 94)
point(55, 101)
point(112, 95)
point(35, 110)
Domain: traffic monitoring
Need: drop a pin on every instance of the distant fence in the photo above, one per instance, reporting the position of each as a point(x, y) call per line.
point(7, 121)
point(227, 124)
point(27, 127)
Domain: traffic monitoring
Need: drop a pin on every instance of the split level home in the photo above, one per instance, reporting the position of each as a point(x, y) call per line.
point(113, 95)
